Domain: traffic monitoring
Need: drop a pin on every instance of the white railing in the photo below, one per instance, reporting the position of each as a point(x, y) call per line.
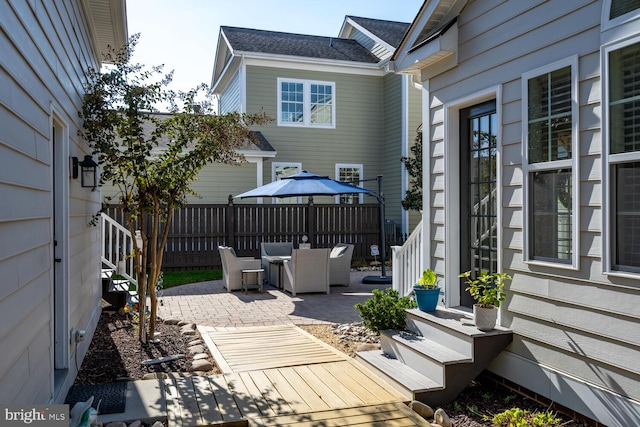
point(117, 248)
point(407, 262)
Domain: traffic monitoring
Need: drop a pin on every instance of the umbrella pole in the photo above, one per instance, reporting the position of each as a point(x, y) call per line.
point(383, 279)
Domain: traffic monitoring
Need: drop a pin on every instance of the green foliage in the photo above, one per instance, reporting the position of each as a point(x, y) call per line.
point(153, 159)
point(175, 278)
point(385, 310)
point(428, 280)
point(516, 417)
point(486, 289)
point(413, 164)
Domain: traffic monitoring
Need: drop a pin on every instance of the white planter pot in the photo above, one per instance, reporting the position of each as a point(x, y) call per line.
point(485, 318)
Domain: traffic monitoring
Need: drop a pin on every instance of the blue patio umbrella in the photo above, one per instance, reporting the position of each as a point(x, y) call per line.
point(310, 184)
point(304, 184)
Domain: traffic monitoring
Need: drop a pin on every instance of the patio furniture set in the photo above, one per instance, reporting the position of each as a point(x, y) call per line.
point(282, 266)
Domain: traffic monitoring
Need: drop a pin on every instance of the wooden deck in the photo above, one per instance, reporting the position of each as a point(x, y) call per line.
point(279, 376)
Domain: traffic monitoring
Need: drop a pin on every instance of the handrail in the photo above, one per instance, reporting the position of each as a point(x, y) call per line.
point(117, 248)
point(407, 262)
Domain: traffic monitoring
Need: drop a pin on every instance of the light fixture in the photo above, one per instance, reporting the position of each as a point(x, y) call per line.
point(88, 171)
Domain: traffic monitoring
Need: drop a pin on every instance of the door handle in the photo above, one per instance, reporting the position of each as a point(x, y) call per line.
point(57, 259)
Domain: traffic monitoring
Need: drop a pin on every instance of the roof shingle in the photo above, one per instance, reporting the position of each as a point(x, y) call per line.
point(301, 45)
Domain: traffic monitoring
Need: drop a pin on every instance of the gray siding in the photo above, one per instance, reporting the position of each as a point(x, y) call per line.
point(230, 99)
point(580, 323)
point(357, 137)
point(41, 66)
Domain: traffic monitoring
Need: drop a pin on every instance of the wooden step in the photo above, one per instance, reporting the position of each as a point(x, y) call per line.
point(407, 381)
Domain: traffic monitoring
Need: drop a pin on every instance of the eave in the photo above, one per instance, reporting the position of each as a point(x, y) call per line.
point(107, 25)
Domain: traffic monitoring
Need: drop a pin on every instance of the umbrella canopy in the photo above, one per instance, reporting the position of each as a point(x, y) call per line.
point(304, 184)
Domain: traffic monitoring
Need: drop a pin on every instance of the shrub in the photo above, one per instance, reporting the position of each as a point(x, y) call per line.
point(516, 417)
point(385, 310)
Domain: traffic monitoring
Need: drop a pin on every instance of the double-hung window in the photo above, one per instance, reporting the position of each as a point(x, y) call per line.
point(623, 157)
point(306, 103)
point(351, 174)
point(550, 132)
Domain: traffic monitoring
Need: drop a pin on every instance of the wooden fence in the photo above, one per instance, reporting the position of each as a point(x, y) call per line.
point(196, 231)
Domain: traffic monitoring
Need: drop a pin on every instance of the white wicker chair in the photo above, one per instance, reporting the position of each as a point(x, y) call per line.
point(232, 267)
point(273, 249)
point(308, 271)
point(340, 264)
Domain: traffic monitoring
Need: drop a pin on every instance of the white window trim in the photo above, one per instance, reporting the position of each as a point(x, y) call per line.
point(274, 166)
point(610, 159)
point(306, 84)
point(350, 166)
point(572, 163)
point(608, 24)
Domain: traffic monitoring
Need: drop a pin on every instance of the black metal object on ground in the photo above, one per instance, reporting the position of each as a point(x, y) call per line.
point(376, 280)
point(112, 397)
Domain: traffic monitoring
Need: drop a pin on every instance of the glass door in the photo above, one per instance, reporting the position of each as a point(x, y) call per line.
point(478, 192)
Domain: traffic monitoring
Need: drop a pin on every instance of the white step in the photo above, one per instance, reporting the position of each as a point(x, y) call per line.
point(407, 381)
point(421, 354)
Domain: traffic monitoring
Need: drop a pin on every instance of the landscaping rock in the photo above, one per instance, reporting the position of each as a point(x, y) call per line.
point(195, 342)
point(155, 376)
point(183, 322)
point(187, 331)
point(368, 347)
point(422, 409)
point(441, 417)
point(136, 423)
point(157, 424)
point(116, 424)
point(172, 321)
point(196, 349)
point(200, 356)
point(201, 365)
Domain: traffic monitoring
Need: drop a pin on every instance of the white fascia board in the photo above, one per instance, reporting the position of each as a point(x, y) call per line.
point(255, 154)
point(371, 35)
point(312, 64)
point(430, 53)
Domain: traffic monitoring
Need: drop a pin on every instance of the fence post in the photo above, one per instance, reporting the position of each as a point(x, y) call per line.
point(230, 219)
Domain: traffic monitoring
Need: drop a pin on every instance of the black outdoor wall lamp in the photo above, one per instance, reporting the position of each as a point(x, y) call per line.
point(88, 171)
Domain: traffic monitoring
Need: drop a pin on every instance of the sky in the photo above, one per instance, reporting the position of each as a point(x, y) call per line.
point(183, 34)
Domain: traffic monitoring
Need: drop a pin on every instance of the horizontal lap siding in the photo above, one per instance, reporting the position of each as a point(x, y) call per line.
point(42, 63)
point(578, 322)
point(392, 147)
point(358, 136)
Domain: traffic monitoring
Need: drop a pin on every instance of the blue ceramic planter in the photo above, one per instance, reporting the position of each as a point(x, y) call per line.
point(427, 299)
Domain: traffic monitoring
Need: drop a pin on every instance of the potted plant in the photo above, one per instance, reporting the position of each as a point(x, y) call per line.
point(427, 291)
point(486, 290)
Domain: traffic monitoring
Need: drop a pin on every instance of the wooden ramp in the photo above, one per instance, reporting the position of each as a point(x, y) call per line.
point(320, 394)
point(280, 376)
point(266, 347)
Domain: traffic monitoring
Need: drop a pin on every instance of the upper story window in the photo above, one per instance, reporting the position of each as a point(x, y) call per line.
point(550, 179)
point(306, 103)
point(622, 7)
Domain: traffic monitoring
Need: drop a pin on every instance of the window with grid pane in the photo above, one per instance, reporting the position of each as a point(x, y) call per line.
point(306, 103)
point(624, 159)
point(350, 174)
point(550, 174)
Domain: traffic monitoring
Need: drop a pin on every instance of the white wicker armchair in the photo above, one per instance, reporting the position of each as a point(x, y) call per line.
point(340, 264)
point(308, 271)
point(233, 265)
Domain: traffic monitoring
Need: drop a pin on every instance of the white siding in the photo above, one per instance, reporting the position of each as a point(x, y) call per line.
point(41, 71)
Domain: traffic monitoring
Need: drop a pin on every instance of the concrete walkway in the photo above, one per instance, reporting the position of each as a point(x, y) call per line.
point(209, 304)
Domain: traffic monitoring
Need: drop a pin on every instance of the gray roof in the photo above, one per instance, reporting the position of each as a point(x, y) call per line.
point(301, 45)
point(390, 31)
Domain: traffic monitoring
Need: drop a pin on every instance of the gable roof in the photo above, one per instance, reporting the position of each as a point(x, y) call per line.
point(390, 32)
point(300, 45)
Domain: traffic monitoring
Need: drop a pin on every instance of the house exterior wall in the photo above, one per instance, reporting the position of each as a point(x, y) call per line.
point(41, 75)
point(230, 99)
point(359, 121)
point(575, 330)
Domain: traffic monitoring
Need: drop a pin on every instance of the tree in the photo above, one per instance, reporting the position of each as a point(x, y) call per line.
point(413, 163)
point(153, 159)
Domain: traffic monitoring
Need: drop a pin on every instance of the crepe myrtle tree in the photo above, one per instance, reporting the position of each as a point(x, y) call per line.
point(151, 159)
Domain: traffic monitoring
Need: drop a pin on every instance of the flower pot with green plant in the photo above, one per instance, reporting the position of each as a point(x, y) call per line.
point(427, 291)
point(486, 290)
